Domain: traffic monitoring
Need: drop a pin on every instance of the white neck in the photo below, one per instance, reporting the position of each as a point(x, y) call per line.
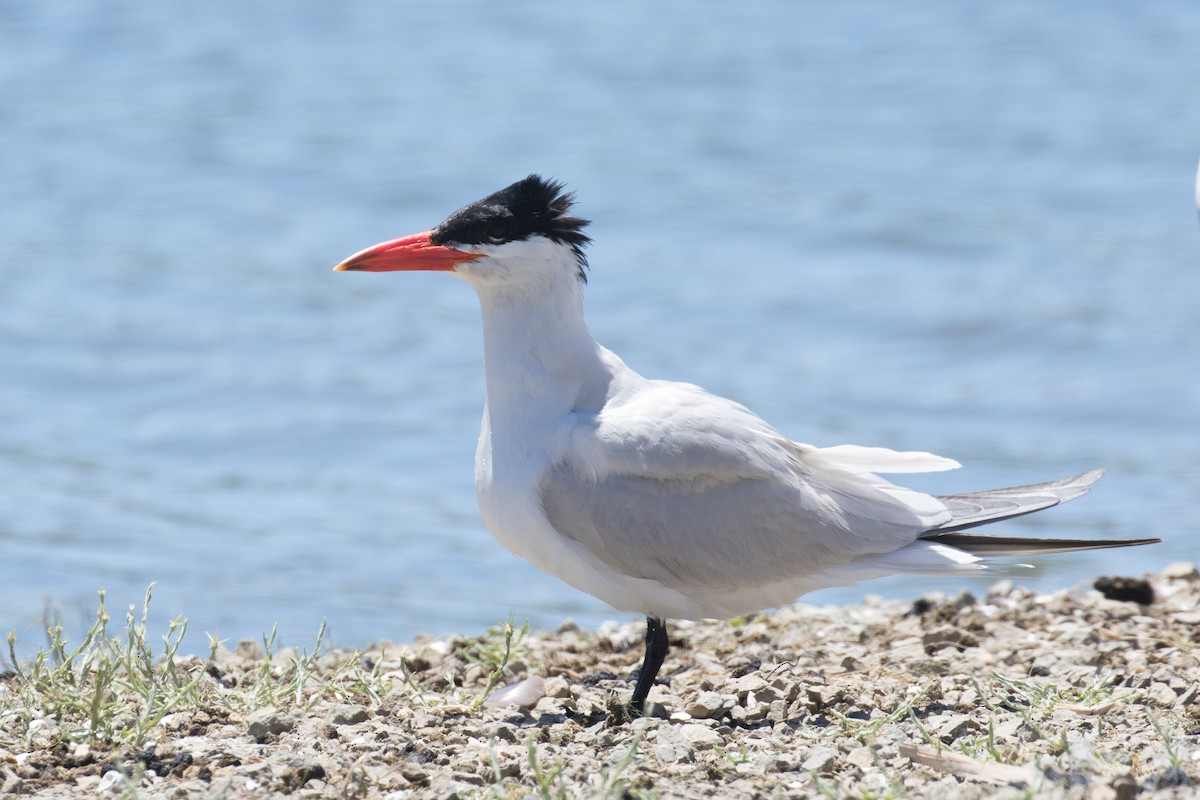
point(539, 359)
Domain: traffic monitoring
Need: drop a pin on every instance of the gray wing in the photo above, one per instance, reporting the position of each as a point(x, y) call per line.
point(737, 533)
point(979, 508)
point(690, 489)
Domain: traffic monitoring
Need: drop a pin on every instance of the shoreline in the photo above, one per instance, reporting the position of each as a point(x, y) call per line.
point(1005, 694)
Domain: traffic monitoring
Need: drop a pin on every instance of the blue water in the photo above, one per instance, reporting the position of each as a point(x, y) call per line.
point(964, 229)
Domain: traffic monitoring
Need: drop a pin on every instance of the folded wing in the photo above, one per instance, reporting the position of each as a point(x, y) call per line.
point(693, 490)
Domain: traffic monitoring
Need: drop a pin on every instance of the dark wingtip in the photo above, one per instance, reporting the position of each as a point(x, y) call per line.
point(983, 544)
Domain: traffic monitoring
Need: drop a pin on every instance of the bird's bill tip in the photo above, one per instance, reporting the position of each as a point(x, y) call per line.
point(415, 252)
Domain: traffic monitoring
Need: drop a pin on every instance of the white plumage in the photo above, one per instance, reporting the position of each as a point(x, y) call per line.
point(659, 497)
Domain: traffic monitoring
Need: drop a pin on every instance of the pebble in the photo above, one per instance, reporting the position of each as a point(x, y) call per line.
point(268, 722)
point(503, 731)
point(1007, 729)
point(861, 757)
point(1181, 570)
point(1125, 787)
point(954, 726)
point(819, 760)
point(749, 715)
point(557, 686)
point(671, 746)
point(249, 649)
point(701, 737)
point(346, 714)
point(821, 697)
point(948, 637)
point(1161, 695)
point(748, 684)
point(108, 781)
point(709, 705)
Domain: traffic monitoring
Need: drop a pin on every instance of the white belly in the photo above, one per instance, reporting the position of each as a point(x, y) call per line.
point(509, 500)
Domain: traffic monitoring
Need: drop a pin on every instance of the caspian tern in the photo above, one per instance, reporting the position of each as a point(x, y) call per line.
point(658, 497)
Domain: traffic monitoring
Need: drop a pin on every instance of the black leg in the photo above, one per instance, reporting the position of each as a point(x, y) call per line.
point(657, 646)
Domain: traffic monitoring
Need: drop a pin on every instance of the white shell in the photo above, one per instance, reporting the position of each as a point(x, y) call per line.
point(524, 693)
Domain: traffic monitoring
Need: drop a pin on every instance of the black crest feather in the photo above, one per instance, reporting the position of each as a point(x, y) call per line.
point(533, 206)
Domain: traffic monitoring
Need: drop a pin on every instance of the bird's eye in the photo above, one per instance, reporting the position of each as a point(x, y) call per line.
point(498, 230)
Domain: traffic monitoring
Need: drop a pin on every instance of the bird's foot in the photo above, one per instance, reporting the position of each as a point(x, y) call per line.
point(648, 709)
point(623, 713)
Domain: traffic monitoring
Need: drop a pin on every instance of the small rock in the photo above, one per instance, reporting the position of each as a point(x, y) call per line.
point(819, 761)
point(557, 686)
point(746, 684)
point(348, 714)
point(701, 737)
point(1125, 787)
point(1181, 571)
point(744, 715)
point(708, 705)
point(548, 707)
point(502, 731)
point(1007, 729)
point(776, 764)
point(268, 722)
point(249, 649)
point(415, 775)
point(1000, 588)
point(1161, 695)
point(948, 637)
point(767, 694)
point(822, 697)
point(10, 782)
point(644, 723)
point(467, 777)
point(300, 771)
point(672, 747)
point(955, 725)
point(861, 757)
point(109, 781)
point(1169, 778)
point(967, 700)
point(81, 755)
point(1189, 695)
point(921, 606)
point(1125, 590)
point(786, 687)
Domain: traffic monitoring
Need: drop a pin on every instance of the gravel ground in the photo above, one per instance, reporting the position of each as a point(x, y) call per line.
point(1081, 694)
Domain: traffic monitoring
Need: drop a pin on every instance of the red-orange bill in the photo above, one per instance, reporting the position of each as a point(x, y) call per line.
point(415, 252)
